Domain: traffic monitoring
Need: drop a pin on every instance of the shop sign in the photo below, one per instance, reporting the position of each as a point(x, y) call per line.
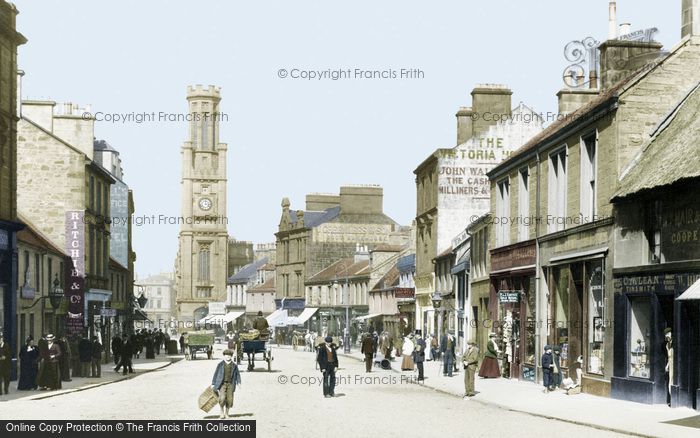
point(508, 296)
point(529, 373)
point(513, 258)
point(404, 292)
point(108, 313)
point(75, 271)
point(660, 283)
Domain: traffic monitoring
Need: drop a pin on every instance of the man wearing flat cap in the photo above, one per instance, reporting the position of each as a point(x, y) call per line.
point(224, 382)
point(328, 363)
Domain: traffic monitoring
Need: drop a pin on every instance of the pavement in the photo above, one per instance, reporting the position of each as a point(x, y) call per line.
point(583, 409)
point(107, 376)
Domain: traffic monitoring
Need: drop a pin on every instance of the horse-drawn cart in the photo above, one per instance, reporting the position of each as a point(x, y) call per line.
point(253, 343)
point(202, 340)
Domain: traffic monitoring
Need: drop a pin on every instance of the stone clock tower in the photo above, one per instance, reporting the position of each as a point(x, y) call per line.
point(203, 240)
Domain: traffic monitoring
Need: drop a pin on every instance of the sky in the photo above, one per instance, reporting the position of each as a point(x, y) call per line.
point(289, 136)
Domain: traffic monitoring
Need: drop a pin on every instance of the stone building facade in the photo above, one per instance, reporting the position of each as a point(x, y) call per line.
point(330, 228)
point(10, 39)
point(452, 186)
point(202, 261)
point(159, 290)
point(556, 193)
point(57, 177)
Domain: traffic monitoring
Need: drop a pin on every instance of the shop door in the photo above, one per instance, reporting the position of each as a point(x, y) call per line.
point(575, 316)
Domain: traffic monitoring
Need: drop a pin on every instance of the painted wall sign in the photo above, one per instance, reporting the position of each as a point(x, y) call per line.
point(119, 227)
point(75, 271)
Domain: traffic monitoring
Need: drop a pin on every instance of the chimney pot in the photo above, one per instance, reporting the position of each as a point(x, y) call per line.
point(625, 29)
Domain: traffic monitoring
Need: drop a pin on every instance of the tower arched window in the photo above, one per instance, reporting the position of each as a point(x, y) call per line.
point(204, 264)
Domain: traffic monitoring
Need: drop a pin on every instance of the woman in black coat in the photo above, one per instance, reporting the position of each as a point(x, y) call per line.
point(28, 365)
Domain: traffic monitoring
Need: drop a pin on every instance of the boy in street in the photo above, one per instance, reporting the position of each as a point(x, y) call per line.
point(547, 366)
point(224, 382)
point(328, 363)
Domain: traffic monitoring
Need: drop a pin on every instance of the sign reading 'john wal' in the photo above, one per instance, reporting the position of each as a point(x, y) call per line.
point(75, 275)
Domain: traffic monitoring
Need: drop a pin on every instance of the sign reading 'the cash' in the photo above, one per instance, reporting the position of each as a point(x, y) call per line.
point(75, 273)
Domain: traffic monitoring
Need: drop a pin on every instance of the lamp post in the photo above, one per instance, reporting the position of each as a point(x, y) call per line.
point(345, 301)
point(55, 297)
point(437, 300)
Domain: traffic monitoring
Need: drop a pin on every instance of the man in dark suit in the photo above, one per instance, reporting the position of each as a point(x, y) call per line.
point(367, 349)
point(328, 363)
point(447, 348)
point(125, 357)
point(5, 361)
point(96, 360)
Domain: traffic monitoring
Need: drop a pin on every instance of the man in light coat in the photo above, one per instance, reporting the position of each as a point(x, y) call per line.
point(470, 359)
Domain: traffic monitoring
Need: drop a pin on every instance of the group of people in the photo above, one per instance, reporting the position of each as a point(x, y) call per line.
point(48, 362)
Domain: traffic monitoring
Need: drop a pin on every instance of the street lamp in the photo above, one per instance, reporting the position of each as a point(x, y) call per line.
point(345, 301)
point(437, 300)
point(55, 297)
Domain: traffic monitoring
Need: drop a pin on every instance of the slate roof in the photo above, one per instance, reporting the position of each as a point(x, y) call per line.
point(102, 145)
point(247, 272)
point(406, 264)
point(268, 286)
point(671, 155)
point(315, 218)
point(341, 269)
point(389, 280)
point(593, 110)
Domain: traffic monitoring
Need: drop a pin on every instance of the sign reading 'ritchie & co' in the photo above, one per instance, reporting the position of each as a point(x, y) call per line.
point(75, 275)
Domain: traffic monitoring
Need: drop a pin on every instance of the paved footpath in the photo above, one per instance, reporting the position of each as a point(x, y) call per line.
point(584, 409)
point(107, 376)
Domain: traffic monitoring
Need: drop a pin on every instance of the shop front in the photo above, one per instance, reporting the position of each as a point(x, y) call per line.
point(513, 294)
point(657, 325)
point(578, 316)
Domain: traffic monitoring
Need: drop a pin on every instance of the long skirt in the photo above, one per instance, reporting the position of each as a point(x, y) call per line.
point(407, 363)
point(27, 375)
point(51, 377)
point(489, 368)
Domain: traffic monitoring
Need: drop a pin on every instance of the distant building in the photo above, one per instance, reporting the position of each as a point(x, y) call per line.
point(159, 290)
point(240, 253)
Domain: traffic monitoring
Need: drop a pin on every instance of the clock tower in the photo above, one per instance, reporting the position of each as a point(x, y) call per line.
point(203, 240)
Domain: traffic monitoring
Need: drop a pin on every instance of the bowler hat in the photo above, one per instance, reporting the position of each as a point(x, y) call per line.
point(49, 337)
point(329, 339)
point(228, 352)
point(667, 330)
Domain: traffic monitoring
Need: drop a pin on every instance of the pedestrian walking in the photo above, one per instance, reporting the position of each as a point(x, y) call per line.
point(64, 361)
point(547, 366)
point(73, 342)
point(85, 353)
point(407, 353)
point(447, 348)
point(28, 365)
point(419, 356)
point(470, 359)
point(328, 363)
point(126, 356)
point(117, 345)
point(96, 358)
point(182, 343)
point(434, 348)
point(43, 348)
point(149, 343)
point(489, 367)
point(5, 362)
point(226, 377)
point(367, 348)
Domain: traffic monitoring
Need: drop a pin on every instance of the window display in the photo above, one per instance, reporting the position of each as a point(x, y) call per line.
point(640, 319)
point(531, 325)
point(596, 315)
point(561, 312)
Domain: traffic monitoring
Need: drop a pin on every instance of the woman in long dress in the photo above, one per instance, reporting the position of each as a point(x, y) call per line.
point(489, 366)
point(28, 365)
point(407, 353)
point(51, 376)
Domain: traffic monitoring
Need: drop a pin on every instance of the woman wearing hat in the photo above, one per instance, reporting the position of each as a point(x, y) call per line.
point(51, 376)
point(407, 353)
point(489, 367)
point(28, 365)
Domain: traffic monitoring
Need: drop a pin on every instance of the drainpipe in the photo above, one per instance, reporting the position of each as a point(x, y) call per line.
point(538, 304)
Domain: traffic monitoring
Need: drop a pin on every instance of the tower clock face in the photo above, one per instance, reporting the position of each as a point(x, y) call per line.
point(205, 204)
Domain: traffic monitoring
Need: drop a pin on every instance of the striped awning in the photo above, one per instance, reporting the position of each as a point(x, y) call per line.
point(692, 293)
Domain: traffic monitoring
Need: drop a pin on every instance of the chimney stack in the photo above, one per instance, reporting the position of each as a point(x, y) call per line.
point(690, 18)
point(465, 124)
point(612, 20)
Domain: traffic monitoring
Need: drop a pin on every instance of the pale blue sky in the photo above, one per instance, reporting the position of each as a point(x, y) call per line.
point(289, 137)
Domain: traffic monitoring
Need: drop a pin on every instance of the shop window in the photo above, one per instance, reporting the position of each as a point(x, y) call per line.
point(561, 312)
point(531, 324)
point(588, 178)
point(596, 315)
point(640, 323)
point(653, 218)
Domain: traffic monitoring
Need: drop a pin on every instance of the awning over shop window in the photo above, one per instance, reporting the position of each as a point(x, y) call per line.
point(305, 315)
point(231, 316)
point(366, 317)
point(278, 318)
point(139, 315)
point(692, 293)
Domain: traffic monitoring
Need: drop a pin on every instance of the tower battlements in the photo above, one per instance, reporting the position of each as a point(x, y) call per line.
point(210, 92)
